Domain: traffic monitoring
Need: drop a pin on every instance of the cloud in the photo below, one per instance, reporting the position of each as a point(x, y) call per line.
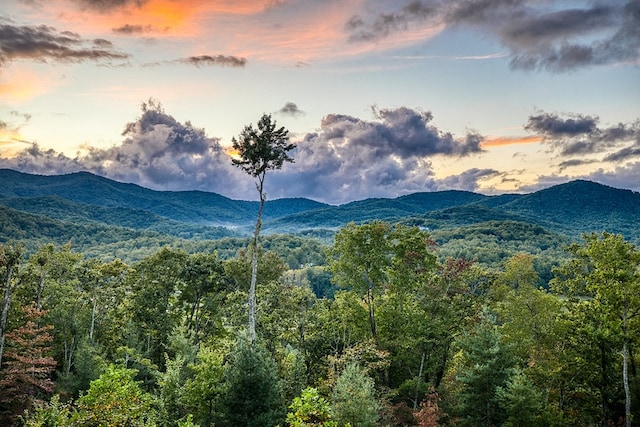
point(42, 43)
point(510, 140)
point(129, 29)
point(467, 180)
point(206, 60)
point(11, 140)
point(290, 109)
point(158, 152)
point(625, 176)
point(621, 177)
point(350, 158)
point(385, 24)
point(574, 163)
point(577, 135)
point(223, 60)
point(106, 6)
point(624, 154)
point(552, 36)
point(552, 125)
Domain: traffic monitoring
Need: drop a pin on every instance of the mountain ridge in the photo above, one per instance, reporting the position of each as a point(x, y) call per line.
point(60, 207)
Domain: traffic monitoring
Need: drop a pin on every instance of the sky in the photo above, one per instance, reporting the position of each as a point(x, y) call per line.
point(382, 98)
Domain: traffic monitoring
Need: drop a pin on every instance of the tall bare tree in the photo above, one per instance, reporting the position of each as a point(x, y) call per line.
point(260, 150)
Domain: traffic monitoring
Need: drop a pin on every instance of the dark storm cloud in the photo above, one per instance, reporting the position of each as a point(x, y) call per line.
point(576, 134)
point(38, 161)
point(625, 176)
point(574, 162)
point(106, 6)
point(553, 125)
point(569, 38)
point(384, 24)
point(350, 158)
point(291, 109)
point(42, 43)
point(624, 154)
point(553, 35)
point(219, 60)
point(467, 180)
point(129, 29)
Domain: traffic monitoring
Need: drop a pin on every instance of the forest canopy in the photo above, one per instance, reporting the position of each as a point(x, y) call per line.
point(379, 327)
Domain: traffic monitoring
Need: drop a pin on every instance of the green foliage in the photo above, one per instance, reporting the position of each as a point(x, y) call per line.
point(605, 273)
point(532, 357)
point(310, 410)
point(486, 368)
point(115, 399)
point(52, 414)
point(292, 371)
point(353, 398)
point(202, 390)
point(252, 393)
point(521, 401)
point(88, 364)
point(262, 149)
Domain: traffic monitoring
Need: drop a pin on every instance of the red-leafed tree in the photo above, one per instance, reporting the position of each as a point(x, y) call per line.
point(25, 375)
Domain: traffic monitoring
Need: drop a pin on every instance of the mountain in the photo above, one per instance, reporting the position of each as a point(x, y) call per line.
point(192, 207)
point(102, 215)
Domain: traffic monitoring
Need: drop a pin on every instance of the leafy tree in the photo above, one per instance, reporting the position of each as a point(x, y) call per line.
point(202, 390)
point(154, 281)
point(252, 393)
point(25, 378)
point(532, 325)
point(293, 372)
point(115, 399)
point(259, 150)
point(487, 366)
point(606, 269)
point(55, 277)
point(359, 260)
point(353, 398)
point(52, 414)
point(203, 276)
point(522, 402)
point(310, 410)
point(88, 364)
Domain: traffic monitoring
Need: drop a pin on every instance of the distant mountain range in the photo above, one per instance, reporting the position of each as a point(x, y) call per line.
point(81, 206)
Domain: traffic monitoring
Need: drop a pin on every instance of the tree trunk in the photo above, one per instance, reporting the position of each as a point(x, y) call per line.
point(93, 317)
point(5, 309)
point(625, 379)
point(254, 266)
point(415, 399)
point(372, 317)
point(39, 294)
point(625, 372)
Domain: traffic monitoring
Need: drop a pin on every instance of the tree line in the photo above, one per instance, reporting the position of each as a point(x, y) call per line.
point(407, 339)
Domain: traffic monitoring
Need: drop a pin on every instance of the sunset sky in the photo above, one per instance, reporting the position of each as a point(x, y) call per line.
point(383, 98)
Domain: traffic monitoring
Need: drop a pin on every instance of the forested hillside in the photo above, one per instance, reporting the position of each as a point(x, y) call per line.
point(389, 333)
point(106, 219)
point(126, 306)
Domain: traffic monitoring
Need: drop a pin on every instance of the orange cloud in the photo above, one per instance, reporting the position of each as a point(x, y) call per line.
point(11, 142)
point(178, 17)
point(510, 140)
